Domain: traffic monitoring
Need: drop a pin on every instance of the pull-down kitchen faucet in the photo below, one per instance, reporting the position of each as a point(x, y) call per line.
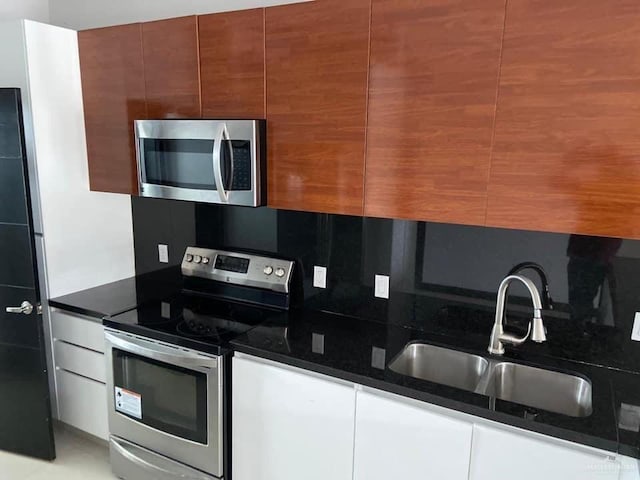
point(536, 328)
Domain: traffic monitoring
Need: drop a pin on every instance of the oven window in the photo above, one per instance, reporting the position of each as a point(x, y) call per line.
point(188, 163)
point(173, 399)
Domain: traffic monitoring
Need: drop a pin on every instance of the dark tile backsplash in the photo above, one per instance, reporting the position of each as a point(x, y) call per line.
point(443, 277)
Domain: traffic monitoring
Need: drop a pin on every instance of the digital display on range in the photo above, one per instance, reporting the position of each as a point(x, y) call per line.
point(232, 264)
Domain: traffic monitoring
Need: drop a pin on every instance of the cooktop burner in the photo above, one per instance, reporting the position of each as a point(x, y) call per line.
point(191, 321)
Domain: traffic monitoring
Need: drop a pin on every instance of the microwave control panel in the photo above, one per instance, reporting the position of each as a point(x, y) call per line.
point(238, 268)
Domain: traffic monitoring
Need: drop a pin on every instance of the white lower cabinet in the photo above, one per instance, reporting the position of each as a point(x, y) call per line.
point(79, 330)
point(401, 439)
point(499, 454)
point(80, 372)
point(290, 425)
point(630, 468)
point(82, 403)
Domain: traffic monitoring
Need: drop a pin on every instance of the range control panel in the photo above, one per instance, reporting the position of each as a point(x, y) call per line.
point(238, 268)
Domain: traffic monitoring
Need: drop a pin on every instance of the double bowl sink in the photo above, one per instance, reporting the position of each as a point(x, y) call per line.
point(533, 387)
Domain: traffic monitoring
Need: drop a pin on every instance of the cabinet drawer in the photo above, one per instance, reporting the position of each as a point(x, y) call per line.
point(82, 331)
point(82, 403)
point(87, 363)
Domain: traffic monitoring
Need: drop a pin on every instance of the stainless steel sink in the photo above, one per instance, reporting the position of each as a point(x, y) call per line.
point(530, 386)
point(541, 389)
point(440, 365)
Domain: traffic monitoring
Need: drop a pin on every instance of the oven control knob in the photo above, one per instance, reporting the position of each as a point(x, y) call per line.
point(189, 257)
point(205, 260)
point(197, 259)
point(280, 272)
point(268, 270)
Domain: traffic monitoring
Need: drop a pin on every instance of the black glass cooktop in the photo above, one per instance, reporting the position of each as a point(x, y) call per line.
point(192, 321)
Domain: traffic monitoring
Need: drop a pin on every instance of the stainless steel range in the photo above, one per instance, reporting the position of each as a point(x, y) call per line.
point(168, 368)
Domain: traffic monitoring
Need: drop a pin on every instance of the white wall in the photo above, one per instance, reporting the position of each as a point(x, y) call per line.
point(83, 14)
point(88, 236)
point(31, 9)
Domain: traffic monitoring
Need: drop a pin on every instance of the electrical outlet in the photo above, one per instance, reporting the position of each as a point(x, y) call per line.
point(382, 286)
point(320, 277)
point(163, 253)
point(635, 334)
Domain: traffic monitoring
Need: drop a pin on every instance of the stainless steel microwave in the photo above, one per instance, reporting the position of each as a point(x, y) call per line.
point(213, 161)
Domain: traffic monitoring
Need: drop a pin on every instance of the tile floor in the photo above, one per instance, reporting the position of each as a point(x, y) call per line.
point(78, 458)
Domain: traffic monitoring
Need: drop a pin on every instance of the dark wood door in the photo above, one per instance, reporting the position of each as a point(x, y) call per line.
point(432, 96)
point(25, 412)
point(232, 64)
point(114, 96)
point(171, 68)
point(567, 149)
point(317, 68)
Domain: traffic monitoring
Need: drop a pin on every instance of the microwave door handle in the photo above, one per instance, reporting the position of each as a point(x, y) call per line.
point(231, 160)
point(222, 134)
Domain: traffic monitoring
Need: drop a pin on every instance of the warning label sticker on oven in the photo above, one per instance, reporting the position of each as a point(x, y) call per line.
point(128, 402)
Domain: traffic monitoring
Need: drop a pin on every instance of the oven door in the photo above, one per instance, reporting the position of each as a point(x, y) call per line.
point(214, 161)
point(166, 399)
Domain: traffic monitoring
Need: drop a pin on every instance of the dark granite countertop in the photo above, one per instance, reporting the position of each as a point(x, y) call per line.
point(360, 351)
point(121, 296)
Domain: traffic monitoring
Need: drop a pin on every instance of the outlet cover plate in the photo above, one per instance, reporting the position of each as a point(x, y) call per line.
point(635, 334)
point(320, 277)
point(382, 286)
point(163, 253)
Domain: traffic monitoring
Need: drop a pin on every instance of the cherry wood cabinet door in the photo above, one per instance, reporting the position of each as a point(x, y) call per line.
point(114, 96)
point(567, 147)
point(232, 64)
point(171, 68)
point(432, 98)
point(317, 68)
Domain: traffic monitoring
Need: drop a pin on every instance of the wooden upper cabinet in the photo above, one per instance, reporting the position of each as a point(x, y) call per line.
point(114, 96)
point(567, 147)
point(232, 64)
point(171, 68)
point(432, 98)
point(317, 66)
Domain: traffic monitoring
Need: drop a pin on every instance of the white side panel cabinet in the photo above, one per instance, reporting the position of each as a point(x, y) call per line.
point(499, 454)
point(401, 439)
point(289, 424)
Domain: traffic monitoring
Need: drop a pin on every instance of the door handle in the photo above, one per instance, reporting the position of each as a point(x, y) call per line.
point(25, 308)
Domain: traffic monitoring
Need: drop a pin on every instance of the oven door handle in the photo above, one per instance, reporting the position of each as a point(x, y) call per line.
point(161, 353)
point(221, 135)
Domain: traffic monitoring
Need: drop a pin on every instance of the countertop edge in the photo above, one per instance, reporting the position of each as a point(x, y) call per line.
point(92, 314)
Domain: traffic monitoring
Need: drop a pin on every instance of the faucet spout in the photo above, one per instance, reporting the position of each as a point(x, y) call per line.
point(536, 326)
